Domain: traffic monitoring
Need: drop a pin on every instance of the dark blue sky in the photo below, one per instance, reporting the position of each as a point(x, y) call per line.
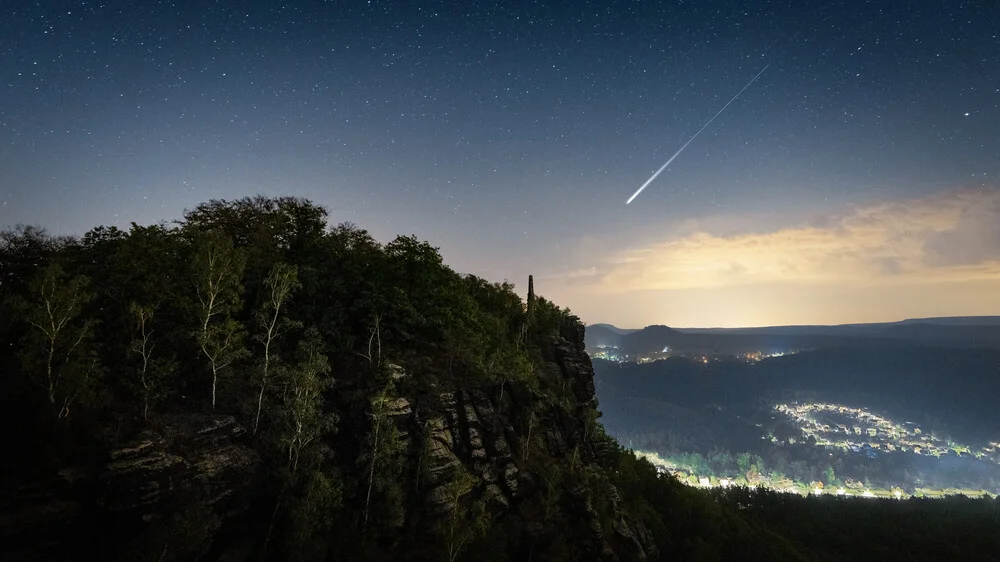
point(510, 134)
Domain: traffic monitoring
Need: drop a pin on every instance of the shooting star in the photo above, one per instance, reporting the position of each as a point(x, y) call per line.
point(676, 154)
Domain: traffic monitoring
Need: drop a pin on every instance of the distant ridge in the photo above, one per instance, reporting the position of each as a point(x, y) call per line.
point(615, 329)
point(826, 328)
point(956, 321)
point(956, 332)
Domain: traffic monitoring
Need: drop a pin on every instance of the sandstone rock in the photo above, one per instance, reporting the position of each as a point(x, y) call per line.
point(180, 462)
point(471, 430)
point(182, 457)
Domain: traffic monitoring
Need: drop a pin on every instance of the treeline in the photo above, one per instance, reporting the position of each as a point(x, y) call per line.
point(227, 307)
point(836, 528)
point(257, 308)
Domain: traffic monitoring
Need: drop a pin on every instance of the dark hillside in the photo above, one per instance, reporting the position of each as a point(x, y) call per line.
point(600, 336)
point(252, 384)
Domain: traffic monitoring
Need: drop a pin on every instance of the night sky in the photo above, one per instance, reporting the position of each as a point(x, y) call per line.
point(855, 180)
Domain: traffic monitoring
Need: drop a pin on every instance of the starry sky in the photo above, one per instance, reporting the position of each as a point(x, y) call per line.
point(855, 180)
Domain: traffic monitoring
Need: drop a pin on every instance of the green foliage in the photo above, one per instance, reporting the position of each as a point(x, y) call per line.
point(302, 421)
point(25, 250)
point(466, 521)
point(57, 353)
point(152, 372)
point(380, 462)
point(829, 477)
point(218, 267)
point(547, 318)
point(281, 282)
point(312, 515)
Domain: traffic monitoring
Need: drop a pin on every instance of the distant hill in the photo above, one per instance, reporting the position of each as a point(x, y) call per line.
point(841, 329)
point(975, 332)
point(613, 328)
point(956, 321)
point(601, 335)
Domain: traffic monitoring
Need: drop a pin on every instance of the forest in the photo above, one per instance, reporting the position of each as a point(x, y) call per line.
point(252, 383)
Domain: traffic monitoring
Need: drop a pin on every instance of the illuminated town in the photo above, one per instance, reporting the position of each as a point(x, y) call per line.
point(614, 353)
point(856, 429)
point(836, 426)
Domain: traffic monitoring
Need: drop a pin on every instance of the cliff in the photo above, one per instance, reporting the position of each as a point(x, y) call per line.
point(527, 453)
point(511, 442)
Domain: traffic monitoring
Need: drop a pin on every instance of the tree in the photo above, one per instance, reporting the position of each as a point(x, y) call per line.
point(282, 280)
point(25, 249)
point(303, 420)
point(218, 269)
point(305, 490)
point(383, 447)
point(266, 229)
point(462, 524)
point(829, 476)
point(151, 256)
point(374, 355)
point(288, 221)
point(151, 372)
point(60, 356)
point(312, 516)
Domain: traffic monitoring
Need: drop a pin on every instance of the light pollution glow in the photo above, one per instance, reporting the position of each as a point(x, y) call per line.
point(937, 255)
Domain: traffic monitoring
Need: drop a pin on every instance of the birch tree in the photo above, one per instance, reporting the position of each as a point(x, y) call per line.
point(383, 446)
point(59, 357)
point(280, 283)
point(218, 271)
point(305, 422)
point(151, 371)
point(463, 524)
point(310, 496)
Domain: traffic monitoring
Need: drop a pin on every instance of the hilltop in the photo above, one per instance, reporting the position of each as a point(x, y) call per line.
point(254, 384)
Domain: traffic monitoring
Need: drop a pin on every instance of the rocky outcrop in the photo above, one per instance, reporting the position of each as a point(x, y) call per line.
point(624, 539)
point(188, 482)
point(181, 464)
point(474, 431)
point(185, 459)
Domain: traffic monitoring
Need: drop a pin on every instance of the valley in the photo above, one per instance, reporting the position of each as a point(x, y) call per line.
point(873, 418)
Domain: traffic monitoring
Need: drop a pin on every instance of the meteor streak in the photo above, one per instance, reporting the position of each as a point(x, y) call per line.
point(676, 154)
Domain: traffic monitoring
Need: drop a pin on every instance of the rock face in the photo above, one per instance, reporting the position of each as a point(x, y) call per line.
point(190, 480)
point(568, 433)
point(184, 458)
point(482, 435)
point(187, 463)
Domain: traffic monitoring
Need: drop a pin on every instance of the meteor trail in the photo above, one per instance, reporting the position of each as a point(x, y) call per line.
point(676, 154)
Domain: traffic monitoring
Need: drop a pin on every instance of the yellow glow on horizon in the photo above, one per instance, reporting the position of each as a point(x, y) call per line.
point(932, 256)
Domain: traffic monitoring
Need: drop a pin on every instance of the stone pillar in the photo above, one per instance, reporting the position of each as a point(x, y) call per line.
point(531, 296)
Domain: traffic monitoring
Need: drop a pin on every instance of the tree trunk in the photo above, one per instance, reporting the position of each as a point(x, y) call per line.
point(371, 471)
point(52, 383)
point(260, 402)
point(214, 379)
point(267, 363)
